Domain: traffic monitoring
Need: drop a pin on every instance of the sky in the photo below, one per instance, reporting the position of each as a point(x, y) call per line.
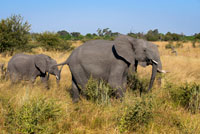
point(124, 16)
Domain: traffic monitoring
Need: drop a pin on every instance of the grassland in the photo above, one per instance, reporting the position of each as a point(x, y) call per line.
point(86, 117)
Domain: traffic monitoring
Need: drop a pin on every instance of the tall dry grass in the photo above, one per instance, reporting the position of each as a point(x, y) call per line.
point(86, 117)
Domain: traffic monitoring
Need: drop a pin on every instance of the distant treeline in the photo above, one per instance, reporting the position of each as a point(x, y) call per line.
point(151, 35)
point(15, 35)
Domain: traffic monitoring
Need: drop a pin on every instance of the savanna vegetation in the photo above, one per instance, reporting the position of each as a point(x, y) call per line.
point(172, 107)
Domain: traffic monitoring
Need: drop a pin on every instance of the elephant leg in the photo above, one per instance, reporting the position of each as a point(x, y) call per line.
point(14, 78)
point(159, 80)
point(118, 79)
point(124, 83)
point(44, 79)
point(75, 92)
point(116, 83)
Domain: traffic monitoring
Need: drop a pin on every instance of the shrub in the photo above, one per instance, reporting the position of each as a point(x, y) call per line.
point(137, 115)
point(172, 37)
point(187, 95)
point(135, 83)
point(64, 35)
point(98, 91)
point(76, 36)
point(194, 43)
point(14, 33)
point(37, 115)
point(169, 45)
point(52, 41)
point(197, 36)
point(179, 45)
point(152, 35)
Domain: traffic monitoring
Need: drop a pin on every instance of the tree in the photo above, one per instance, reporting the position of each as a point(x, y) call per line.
point(197, 36)
point(152, 35)
point(99, 31)
point(172, 36)
point(104, 32)
point(52, 41)
point(14, 33)
point(63, 33)
point(76, 36)
point(89, 36)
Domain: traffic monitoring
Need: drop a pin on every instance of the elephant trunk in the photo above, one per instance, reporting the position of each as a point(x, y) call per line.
point(58, 77)
point(59, 73)
point(153, 75)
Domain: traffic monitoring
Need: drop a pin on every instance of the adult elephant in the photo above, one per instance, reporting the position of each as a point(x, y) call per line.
point(28, 67)
point(107, 60)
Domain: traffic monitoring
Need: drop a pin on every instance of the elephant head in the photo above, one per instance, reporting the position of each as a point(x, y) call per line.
point(137, 51)
point(47, 64)
point(156, 57)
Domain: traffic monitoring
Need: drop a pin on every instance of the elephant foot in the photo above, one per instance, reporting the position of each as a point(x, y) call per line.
point(75, 100)
point(119, 95)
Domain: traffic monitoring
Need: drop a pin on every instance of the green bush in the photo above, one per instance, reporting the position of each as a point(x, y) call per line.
point(52, 41)
point(136, 83)
point(14, 33)
point(37, 115)
point(153, 35)
point(137, 115)
point(98, 91)
point(169, 45)
point(194, 44)
point(187, 95)
point(179, 45)
point(172, 37)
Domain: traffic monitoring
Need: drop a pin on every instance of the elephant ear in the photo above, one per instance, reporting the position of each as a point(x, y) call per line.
point(124, 48)
point(40, 63)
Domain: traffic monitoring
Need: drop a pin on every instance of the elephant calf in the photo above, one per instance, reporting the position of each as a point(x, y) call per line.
point(28, 67)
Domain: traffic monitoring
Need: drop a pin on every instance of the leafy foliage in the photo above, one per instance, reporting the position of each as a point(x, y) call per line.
point(37, 115)
point(14, 33)
point(51, 41)
point(64, 35)
point(197, 36)
point(179, 45)
point(169, 45)
point(153, 35)
point(187, 95)
point(136, 83)
point(137, 115)
point(98, 92)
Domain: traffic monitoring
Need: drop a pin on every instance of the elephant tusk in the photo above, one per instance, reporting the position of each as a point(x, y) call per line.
point(161, 71)
point(155, 62)
point(57, 77)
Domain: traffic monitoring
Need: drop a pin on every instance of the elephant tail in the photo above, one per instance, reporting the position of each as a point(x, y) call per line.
point(63, 63)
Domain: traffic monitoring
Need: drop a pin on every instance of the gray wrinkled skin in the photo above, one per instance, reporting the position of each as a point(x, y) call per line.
point(155, 56)
point(28, 67)
point(107, 60)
